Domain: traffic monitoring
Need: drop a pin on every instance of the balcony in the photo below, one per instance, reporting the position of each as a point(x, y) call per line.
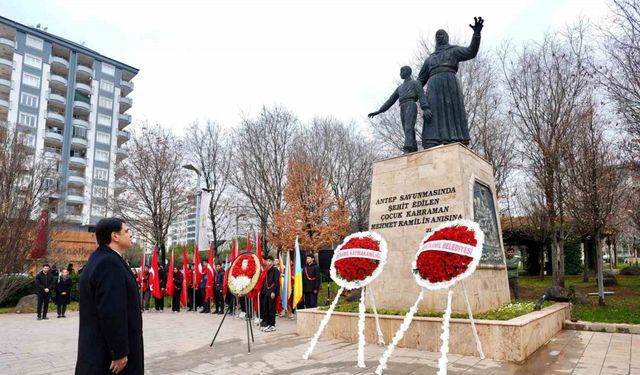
point(52, 154)
point(59, 61)
point(5, 85)
point(80, 122)
point(81, 106)
point(7, 63)
point(4, 104)
point(57, 98)
point(53, 136)
point(8, 42)
point(121, 153)
point(83, 88)
point(84, 71)
point(74, 218)
point(58, 82)
point(125, 103)
point(78, 141)
point(126, 87)
point(123, 136)
point(77, 161)
point(76, 180)
point(124, 120)
point(55, 117)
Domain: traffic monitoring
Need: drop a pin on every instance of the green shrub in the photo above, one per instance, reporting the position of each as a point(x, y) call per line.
point(572, 261)
point(25, 290)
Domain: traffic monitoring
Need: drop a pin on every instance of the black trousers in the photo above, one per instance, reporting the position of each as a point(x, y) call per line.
point(408, 115)
point(269, 314)
point(190, 297)
point(62, 309)
point(43, 304)
point(515, 287)
point(310, 300)
point(159, 302)
point(175, 301)
point(217, 294)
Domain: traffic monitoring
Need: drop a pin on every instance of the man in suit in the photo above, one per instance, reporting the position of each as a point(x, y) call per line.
point(110, 337)
point(45, 282)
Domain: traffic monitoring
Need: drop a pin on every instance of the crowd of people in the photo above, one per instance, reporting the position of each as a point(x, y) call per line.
point(48, 281)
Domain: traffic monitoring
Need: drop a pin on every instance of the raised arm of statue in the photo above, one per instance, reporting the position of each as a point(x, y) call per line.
point(392, 99)
point(468, 53)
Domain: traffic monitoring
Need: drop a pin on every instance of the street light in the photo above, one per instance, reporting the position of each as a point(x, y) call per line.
point(191, 167)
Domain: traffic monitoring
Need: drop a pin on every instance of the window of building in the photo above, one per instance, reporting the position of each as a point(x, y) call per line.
point(100, 191)
point(29, 100)
point(79, 132)
point(102, 155)
point(31, 80)
point(97, 210)
point(101, 174)
point(106, 86)
point(104, 138)
point(26, 138)
point(104, 120)
point(34, 42)
point(27, 119)
point(108, 69)
point(33, 61)
point(105, 103)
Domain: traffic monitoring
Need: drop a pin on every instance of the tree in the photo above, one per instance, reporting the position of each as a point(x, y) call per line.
point(312, 213)
point(210, 152)
point(260, 161)
point(23, 193)
point(548, 84)
point(152, 180)
point(620, 75)
point(594, 185)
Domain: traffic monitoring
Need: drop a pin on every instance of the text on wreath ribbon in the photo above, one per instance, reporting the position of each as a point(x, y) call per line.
point(358, 253)
point(448, 246)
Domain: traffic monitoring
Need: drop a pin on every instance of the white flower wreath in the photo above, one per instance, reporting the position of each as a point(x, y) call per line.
point(350, 285)
point(476, 255)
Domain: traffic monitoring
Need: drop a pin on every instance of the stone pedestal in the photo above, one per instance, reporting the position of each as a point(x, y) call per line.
point(415, 193)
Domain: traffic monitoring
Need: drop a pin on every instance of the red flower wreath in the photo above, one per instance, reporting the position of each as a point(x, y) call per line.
point(437, 266)
point(352, 269)
point(248, 272)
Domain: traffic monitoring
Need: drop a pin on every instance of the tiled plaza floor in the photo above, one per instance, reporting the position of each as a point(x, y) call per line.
point(179, 344)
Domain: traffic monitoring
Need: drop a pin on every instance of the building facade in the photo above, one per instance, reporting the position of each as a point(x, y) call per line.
point(70, 104)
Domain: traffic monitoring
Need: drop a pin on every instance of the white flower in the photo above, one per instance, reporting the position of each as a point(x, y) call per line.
point(240, 282)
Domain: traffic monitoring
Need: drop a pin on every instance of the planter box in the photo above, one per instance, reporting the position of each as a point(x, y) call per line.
point(506, 340)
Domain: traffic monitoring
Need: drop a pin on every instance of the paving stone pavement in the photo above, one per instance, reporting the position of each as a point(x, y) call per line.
point(178, 343)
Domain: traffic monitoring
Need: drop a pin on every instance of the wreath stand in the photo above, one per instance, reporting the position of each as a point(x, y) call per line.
point(249, 327)
point(361, 324)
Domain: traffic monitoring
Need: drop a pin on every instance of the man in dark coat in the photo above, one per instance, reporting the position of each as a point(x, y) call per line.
point(45, 281)
point(217, 289)
point(110, 337)
point(63, 293)
point(310, 282)
point(270, 288)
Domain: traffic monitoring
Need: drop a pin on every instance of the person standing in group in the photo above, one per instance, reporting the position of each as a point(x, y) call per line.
point(146, 291)
point(189, 276)
point(110, 337)
point(206, 302)
point(177, 289)
point(217, 289)
point(270, 287)
point(159, 302)
point(513, 262)
point(310, 282)
point(45, 281)
point(63, 293)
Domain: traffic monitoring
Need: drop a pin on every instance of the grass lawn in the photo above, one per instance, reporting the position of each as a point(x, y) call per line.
point(622, 307)
point(73, 306)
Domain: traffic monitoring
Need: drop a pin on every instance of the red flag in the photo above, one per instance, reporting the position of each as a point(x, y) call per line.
point(196, 266)
point(234, 250)
point(210, 279)
point(259, 251)
point(170, 287)
point(155, 275)
point(40, 244)
point(248, 249)
point(141, 274)
point(185, 282)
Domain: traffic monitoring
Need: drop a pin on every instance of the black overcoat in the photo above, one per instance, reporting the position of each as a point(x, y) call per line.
point(63, 286)
point(110, 318)
point(310, 278)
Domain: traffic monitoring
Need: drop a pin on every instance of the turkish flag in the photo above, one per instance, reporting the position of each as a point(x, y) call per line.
point(170, 287)
point(210, 276)
point(40, 244)
point(197, 266)
point(155, 275)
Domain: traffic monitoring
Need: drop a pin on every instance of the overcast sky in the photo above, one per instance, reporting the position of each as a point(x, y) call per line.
point(219, 60)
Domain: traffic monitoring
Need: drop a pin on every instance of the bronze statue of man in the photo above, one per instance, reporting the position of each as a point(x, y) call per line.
point(444, 93)
point(407, 93)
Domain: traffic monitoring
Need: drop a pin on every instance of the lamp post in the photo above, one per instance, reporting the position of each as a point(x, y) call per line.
point(193, 168)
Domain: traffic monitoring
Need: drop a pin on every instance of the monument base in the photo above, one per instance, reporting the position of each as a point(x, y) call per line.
point(415, 193)
point(506, 340)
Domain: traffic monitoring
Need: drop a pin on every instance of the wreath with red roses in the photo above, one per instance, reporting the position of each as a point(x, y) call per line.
point(243, 274)
point(367, 253)
point(249, 271)
point(441, 268)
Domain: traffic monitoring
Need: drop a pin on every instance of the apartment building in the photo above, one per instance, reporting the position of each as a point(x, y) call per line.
point(71, 104)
